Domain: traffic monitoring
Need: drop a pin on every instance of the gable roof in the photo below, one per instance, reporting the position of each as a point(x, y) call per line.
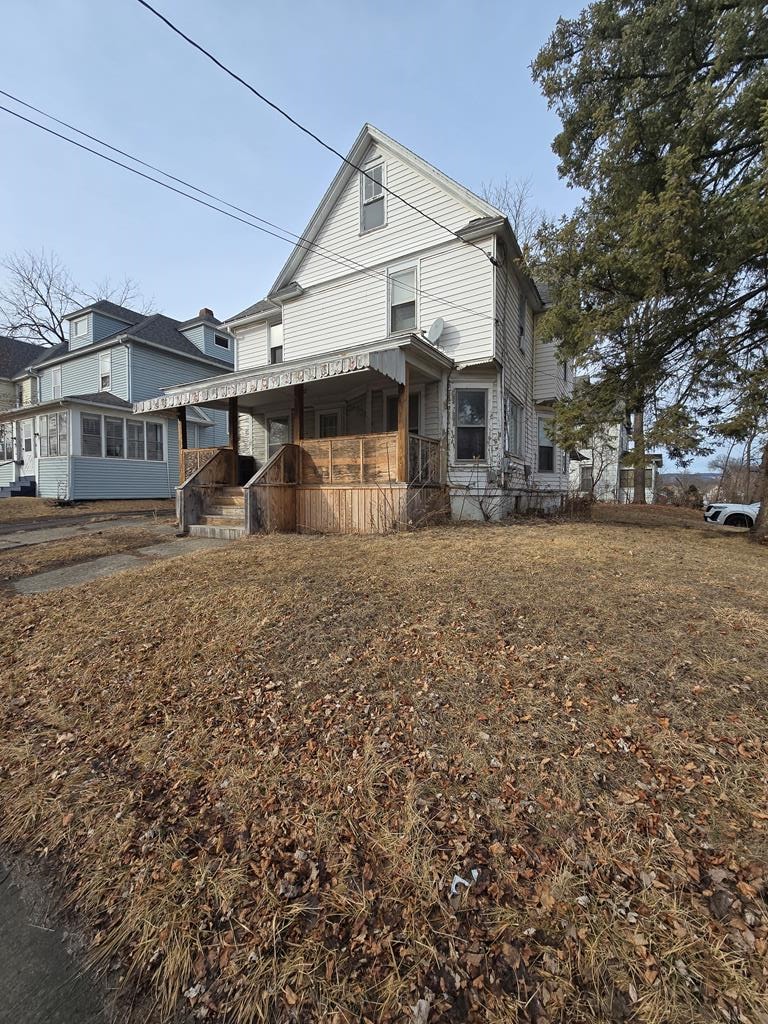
point(128, 316)
point(368, 136)
point(16, 355)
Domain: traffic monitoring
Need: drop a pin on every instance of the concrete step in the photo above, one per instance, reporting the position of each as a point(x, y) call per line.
point(217, 532)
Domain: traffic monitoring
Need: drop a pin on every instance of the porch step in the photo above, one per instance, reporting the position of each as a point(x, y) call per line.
point(217, 532)
point(236, 512)
point(218, 520)
point(24, 487)
point(232, 492)
point(236, 500)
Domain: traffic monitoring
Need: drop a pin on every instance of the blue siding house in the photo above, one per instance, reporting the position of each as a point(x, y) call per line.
point(71, 431)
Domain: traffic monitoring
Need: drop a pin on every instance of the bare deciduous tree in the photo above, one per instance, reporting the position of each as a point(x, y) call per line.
point(39, 291)
point(514, 197)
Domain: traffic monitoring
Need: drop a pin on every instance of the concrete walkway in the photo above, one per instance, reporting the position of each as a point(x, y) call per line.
point(108, 565)
point(24, 537)
point(42, 978)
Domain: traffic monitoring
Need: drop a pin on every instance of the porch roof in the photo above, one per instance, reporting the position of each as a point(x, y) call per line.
point(387, 357)
point(100, 400)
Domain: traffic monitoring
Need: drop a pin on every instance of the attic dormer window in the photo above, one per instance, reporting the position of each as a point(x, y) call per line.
point(372, 212)
point(80, 327)
point(221, 340)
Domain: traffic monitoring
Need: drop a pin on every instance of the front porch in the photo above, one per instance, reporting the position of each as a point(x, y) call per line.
point(385, 475)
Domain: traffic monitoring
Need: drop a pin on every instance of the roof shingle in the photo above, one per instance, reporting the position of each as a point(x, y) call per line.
point(17, 355)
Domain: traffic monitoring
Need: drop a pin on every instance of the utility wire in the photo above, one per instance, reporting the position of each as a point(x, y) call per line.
point(301, 242)
point(297, 124)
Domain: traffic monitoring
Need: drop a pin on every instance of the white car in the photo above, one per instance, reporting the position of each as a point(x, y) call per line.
point(730, 514)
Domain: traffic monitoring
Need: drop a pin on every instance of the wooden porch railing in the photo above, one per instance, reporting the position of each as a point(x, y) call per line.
point(270, 495)
point(424, 460)
point(193, 459)
point(218, 470)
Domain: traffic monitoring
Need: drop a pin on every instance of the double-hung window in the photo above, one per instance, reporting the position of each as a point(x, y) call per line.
point(6, 442)
point(627, 479)
point(372, 209)
point(90, 435)
point(80, 327)
point(586, 481)
point(155, 442)
point(546, 447)
point(56, 382)
point(134, 430)
point(513, 426)
point(471, 424)
point(105, 371)
point(275, 343)
point(114, 437)
point(402, 300)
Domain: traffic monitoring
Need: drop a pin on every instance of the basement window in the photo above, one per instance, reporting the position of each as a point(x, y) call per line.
point(372, 211)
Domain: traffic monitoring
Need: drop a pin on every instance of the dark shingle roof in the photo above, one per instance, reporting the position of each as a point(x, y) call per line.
point(128, 316)
point(161, 330)
point(16, 355)
point(101, 398)
point(51, 353)
point(262, 306)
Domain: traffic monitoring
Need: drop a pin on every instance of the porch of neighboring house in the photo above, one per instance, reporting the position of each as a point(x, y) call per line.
point(387, 473)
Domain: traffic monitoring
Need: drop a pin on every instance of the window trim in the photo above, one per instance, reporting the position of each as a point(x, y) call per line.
point(272, 345)
point(100, 418)
point(108, 357)
point(512, 400)
point(219, 338)
point(401, 268)
point(56, 382)
point(76, 332)
point(366, 169)
point(457, 426)
point(582, 467)
point(554, 470)
point(121, 421)
point(136, 423)
point(163, 445)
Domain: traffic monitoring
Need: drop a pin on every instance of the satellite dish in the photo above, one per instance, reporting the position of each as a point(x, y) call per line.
point(434, 332)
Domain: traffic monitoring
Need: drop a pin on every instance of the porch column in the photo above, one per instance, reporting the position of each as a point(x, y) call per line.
point(297, 414)
point(402, 428)
point(233, 425)
point(181, 422)
point(234, 440)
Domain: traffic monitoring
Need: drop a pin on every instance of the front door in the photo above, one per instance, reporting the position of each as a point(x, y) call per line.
point(28, 447)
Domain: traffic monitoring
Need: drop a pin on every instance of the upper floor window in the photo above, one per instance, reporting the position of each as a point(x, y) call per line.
point(372, 210)
point(19, 395)
point(275, 343)
point(105, 371)
point(471, 420)
point(80, 327)
point(221, 340)
point(56, 381)
point(402, 300)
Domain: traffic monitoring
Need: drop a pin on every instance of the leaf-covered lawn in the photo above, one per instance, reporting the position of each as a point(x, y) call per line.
point(14, 510)
point(259, 770)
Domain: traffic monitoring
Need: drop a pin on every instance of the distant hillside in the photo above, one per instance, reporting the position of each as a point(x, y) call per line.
point(703, 481)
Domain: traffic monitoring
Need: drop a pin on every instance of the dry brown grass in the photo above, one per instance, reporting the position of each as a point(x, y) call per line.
point(33, 558)
point(648, 515)
point(13, 510)
point(259, 768)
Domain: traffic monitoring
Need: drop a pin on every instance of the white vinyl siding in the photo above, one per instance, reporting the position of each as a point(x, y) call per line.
point(251, 344)
point(407, 231)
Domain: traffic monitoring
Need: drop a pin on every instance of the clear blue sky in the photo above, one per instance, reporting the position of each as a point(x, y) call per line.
point(450, 80)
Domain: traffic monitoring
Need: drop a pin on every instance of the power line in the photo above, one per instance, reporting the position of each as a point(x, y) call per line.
point(297, 124)
point(301, 242)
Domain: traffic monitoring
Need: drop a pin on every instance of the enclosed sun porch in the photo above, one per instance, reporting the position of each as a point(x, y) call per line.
point(350, 443)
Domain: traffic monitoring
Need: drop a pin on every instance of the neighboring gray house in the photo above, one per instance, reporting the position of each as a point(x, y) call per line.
point(72, 431)
point(601, 469)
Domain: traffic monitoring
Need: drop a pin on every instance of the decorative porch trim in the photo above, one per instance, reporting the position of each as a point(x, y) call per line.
point(390, 363)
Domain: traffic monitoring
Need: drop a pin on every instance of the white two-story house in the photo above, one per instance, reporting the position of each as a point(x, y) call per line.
point(396, 351)
point(71, 432)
